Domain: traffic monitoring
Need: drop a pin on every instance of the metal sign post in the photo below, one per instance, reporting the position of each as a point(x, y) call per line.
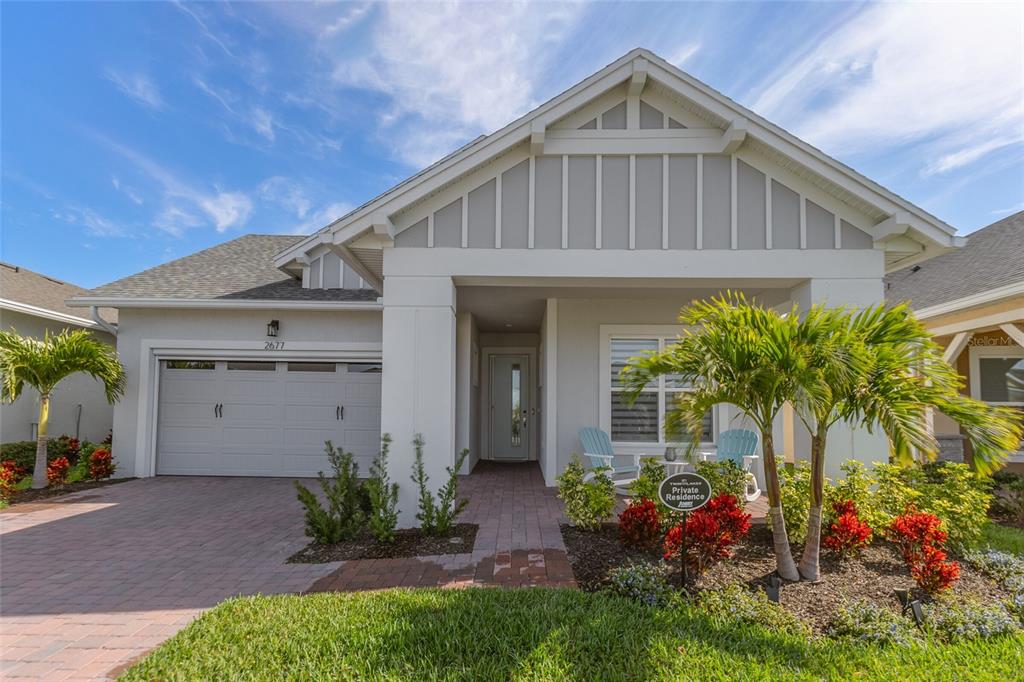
point(684, 493)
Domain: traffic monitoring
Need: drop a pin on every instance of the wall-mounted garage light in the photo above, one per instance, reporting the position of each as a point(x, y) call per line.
point(272, 327)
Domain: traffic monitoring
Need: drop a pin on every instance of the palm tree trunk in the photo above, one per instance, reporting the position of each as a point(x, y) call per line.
point(783, 557)
point(810, 568)
point(39, 471)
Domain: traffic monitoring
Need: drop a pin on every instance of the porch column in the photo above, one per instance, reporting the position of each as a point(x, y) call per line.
point(418, 383)
point(844, 442)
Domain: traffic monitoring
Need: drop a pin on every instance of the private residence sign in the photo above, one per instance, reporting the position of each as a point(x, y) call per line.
point(685, 492)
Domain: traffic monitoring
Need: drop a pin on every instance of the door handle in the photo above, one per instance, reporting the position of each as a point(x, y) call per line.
point(215, 406)
point(337, 412)
point(341, 412)
point(220, 410)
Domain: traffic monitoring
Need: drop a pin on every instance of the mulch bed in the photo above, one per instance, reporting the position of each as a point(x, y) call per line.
point(29, 495)
point(873, 575)
point(408, 543)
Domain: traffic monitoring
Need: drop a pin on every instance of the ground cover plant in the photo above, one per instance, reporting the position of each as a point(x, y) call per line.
point(535, 634)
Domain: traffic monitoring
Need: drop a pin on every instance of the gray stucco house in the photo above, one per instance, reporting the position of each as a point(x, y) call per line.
point(488, 301)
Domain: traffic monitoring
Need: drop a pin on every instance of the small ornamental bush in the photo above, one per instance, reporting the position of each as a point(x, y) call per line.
point(647, 483)
point(587, 503)
point(382, 495)
point(953, 621)
point(642, 582)
point(736, 604)
point(870, 623)
point(436, 516)
point(101, 464)
point(725, 477)
point(343, 518)
point(10, 474)
point(846, 534)
point(921, 542)
point(57, 471)
point(640, 524)
point(795, 488)
point(69, 447)
point(711, 533)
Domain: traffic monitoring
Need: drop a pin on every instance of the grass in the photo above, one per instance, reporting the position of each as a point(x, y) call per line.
point(529, 634)
point(1003, 538)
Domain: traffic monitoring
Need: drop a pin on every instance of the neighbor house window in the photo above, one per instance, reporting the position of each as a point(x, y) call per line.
point(644, 421)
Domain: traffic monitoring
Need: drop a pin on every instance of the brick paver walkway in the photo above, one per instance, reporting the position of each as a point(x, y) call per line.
point(93, 580)
point(518, 542)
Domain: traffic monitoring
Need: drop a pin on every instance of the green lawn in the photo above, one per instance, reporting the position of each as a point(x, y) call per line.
point(528, 634)
point(1003, 537)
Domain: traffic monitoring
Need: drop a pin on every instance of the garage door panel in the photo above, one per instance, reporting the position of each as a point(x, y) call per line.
point(273, 421)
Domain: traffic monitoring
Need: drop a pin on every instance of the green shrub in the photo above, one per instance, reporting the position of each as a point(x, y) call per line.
point(1008, 491)
point(642, 582)
point(725, 477)
point(436, 516)
point(857, 485)
point(869, 623)
point(646, 486)
point(23, 452)
point(795, 486)
point(382, 495)
point(950, 491)
point(735, 603)
point(954, 620)
point(343, 518)
point(587, 503)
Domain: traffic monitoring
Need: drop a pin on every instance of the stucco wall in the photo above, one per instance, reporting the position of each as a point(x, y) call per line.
point(135, 326)
point(16, 419)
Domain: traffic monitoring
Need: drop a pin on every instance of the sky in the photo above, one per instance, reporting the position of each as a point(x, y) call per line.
point(135, 133)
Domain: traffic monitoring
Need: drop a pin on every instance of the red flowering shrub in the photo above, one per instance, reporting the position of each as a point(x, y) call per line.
point(69, 447)
point(640, 524)
point(101, 464)
point(711, 532)
point(847, 534)
point(921, 541)
point(10, 474)
point(57, 471)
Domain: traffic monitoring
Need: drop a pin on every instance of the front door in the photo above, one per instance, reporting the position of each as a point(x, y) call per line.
point(510, 425)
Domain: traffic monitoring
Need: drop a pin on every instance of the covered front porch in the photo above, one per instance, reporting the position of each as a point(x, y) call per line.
point(511, 369)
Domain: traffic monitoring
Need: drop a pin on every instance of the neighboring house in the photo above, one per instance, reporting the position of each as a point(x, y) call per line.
point(489, 301)
point(972, 300)
point(33, 304)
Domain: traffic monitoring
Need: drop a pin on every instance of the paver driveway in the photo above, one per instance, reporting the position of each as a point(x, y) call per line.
point(92, 581)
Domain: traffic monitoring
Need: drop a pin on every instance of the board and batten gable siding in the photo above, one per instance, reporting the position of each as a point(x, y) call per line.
point(327, 271)
point(631, 201)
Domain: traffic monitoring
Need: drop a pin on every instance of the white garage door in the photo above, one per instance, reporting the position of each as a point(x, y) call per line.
point(250, 418)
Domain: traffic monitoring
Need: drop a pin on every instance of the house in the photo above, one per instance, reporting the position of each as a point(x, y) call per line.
point(33, 304)
point(489, 301)
point(972, 300)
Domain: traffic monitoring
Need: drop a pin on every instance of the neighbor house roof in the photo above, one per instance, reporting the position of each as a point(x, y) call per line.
point(36, 294)
point(239, 270)
point(991, 262)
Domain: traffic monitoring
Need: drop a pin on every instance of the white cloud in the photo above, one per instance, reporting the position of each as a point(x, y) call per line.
point(226, 208)
point(136, 86)
point(322, 218)
point(346, 20)
point(94, 223)
point(262, 122)
point(127, 191)
point(683, 54)
point(455, 70)
point(286, 193)
point(946, 76)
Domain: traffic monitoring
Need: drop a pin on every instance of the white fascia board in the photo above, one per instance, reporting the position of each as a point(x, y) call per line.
point(223, 304)
point(47, 314)
point(972, 301)
point(800, 151)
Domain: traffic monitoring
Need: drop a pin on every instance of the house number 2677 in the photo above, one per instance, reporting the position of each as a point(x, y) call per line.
point(274, 345)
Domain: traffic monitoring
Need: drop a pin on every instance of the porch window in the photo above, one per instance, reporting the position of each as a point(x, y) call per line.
point(643, 422)
point(1002, 380)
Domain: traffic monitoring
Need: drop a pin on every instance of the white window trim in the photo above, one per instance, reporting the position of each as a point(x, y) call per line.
point(637, 331)
point(976, 353)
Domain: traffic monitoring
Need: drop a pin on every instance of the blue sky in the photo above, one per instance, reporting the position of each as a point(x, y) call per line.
point(134, 133)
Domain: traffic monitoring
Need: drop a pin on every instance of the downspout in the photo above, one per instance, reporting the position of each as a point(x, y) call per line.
point(94, 312)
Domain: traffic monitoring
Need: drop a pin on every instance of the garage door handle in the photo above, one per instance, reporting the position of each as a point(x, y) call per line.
point(339, 412)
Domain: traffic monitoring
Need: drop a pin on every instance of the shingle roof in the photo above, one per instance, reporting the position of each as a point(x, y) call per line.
point(242, 268)
point(993, 257)
point(31, 288)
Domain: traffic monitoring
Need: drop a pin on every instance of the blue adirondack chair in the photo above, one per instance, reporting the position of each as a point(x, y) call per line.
point(597, 448)
point(739, 446)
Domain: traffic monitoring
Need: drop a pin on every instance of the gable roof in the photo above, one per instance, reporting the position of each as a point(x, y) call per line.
point(897, 217)
point(991, 261)
point(241, 270)
point(33, 293)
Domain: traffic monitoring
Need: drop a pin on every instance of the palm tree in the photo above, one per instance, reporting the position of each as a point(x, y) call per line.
point(879, 367)
point(44, 364)
point(739, 353)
